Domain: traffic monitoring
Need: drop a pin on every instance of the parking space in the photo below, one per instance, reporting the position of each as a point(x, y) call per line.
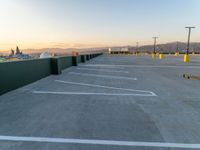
point(110, 102)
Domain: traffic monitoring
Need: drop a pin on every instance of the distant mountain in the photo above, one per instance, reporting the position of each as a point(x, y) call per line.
point(170, 47)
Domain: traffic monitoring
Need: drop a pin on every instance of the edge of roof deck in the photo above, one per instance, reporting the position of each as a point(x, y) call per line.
point(16, 74)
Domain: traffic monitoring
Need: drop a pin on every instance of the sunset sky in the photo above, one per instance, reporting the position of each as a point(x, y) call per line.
point(92, 23)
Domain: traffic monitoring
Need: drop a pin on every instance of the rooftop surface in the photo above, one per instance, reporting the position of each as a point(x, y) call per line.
point(112, 102)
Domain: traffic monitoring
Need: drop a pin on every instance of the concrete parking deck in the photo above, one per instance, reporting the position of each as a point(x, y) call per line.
point(112, 102)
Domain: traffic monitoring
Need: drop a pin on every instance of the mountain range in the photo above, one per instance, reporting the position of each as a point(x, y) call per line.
point(168, 47)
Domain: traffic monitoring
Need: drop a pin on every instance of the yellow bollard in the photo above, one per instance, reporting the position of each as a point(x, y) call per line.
point(186, 58)
point(153, 56)
point(161, 56)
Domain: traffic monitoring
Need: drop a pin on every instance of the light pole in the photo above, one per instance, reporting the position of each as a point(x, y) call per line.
point(186, 57)
point(188, 44)
point(155, 40)
point(137, 45)
point(177, 49)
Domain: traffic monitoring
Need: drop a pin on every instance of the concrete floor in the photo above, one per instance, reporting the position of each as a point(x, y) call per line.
point(112, 98)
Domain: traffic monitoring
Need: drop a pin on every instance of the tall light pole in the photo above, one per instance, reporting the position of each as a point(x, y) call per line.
point(155, 40)
point(137, 45)
point(177, 48)
point(188, 44)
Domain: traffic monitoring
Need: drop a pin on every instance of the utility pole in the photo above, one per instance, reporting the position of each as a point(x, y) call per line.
point(177, 48)
point(155, 40)
point(188, 44)
point(137, 46)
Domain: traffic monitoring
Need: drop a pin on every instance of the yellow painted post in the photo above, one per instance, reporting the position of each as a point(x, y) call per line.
point(161, 56)
point(186, 58)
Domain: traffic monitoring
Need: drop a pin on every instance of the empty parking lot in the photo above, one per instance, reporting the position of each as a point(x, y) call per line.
point(111, 102)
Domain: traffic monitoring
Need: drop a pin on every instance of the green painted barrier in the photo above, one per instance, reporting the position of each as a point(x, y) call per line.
point(79, 59)
point(83, 58)
point(74, 61)
point(20, 73)
point(66, 62)
point(56, 66)
point(87, 57)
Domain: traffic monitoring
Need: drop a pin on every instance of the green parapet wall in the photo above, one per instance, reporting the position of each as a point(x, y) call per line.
point(60, 63)
point(74, 61)
point(19, 73)
point(87, 57)
point(66, 62)
point(56, 65)
point(83, 58)
point(79, 59)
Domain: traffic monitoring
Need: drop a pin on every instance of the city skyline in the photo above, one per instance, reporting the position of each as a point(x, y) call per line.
point(94, 23)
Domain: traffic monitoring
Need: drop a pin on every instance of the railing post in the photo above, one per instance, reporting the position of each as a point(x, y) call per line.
point(74, 61)
point(56, 66)
point(87, 57)
point(83, 58)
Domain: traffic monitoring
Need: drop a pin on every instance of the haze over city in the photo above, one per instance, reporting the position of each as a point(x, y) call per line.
point(95, 23)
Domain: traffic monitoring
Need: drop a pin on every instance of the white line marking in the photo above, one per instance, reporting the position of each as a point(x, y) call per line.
point(107, 87)
point(102, 76)
point(94, 65)
point(142, 66)
point(99, 142)
point(85, 93)
point(104, 70)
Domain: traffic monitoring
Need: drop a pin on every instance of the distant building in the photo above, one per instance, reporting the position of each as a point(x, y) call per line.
point(18, 55)
point(2, 59)
point(12, 52)
point(45, 55)
point(18, 51)
point(118, 50)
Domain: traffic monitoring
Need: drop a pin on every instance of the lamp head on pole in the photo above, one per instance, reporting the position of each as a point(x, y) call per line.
point(190, 27)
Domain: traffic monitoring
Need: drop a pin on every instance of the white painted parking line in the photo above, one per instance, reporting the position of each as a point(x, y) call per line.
point(142, 66)
point(107, 87)
point(100, 142)
point(102, 76)
point(90, 93)
point(103, 70)
point(102, 67)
